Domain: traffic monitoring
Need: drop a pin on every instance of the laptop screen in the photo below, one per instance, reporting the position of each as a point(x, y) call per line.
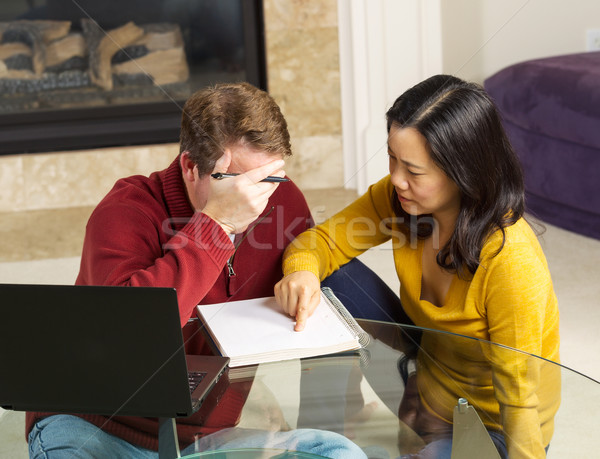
point(91, 349)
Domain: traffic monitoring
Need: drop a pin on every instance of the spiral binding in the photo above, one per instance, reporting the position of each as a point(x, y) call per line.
point(340, 310)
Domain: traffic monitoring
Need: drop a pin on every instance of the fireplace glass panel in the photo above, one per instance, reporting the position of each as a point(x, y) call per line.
point(91, 63)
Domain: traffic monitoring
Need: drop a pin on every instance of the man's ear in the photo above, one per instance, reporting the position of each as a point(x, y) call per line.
point(187, 166)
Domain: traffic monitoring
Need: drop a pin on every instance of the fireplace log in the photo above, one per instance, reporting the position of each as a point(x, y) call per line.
point(161, 36)
point(58, 51)
point(12, 49)
point(49, 30)
point(34, 34)
point(9, 52)
point(164, 62)
point(129, 52)
point(103, 45)
point(164, 66)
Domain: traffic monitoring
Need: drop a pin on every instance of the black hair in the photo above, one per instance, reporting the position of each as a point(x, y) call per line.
point(467, 141)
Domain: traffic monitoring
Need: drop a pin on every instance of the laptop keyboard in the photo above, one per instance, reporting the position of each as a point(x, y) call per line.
point(194, 378)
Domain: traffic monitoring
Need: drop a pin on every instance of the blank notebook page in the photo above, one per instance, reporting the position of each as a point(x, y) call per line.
point(259, 328)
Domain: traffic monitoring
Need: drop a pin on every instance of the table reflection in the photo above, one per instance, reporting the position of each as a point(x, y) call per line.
point(399, 396)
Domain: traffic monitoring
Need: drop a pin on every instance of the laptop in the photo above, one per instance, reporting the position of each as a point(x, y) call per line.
point(99, 350)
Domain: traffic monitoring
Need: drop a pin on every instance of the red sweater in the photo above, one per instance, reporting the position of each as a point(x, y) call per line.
point(145, 233)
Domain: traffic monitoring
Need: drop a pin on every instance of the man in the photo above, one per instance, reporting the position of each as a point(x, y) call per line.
point(212, 240)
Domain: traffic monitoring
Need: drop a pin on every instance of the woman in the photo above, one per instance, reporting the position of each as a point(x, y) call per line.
point(467, 261)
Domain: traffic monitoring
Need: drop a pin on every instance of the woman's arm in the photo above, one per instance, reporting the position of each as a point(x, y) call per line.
point(319, 251)
point(520, 305)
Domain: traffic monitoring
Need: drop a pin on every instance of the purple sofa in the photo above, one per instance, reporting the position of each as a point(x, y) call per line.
point(551, 112)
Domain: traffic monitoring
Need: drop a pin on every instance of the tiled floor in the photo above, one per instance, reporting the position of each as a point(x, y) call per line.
point(44, 246)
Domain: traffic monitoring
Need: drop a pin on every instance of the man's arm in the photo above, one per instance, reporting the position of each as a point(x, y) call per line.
point(130, 239)
point(124, 246)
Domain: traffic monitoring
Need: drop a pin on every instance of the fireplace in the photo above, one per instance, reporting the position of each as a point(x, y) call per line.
point(78, 74)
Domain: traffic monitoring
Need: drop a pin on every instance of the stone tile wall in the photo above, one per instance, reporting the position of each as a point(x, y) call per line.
point(75, 178)
point(304, 78)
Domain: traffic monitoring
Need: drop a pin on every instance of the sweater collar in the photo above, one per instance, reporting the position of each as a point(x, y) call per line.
point(175, 193)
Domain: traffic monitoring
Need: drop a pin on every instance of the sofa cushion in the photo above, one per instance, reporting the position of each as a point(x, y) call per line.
point(551, 112)
point(557, 96)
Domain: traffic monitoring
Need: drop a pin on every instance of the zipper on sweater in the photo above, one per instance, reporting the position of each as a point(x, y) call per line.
point(230, 271)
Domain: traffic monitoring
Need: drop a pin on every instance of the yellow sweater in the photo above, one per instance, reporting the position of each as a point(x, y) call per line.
point(510, 300)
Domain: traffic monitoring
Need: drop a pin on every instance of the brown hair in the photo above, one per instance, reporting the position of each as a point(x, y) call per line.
point(220, 116)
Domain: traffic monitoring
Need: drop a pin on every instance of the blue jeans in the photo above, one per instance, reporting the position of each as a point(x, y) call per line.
point(364, 294)
point(65, 436)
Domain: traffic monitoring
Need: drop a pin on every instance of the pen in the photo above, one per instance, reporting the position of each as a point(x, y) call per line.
point(270, 178)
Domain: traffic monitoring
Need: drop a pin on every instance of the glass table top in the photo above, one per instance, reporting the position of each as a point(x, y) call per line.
point(411, 388)
point(408, 389)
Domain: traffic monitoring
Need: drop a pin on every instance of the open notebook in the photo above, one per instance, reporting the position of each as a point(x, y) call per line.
point(257, 331)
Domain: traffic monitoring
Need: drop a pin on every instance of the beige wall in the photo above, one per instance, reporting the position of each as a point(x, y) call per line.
point(304, 78)
point(481, 37)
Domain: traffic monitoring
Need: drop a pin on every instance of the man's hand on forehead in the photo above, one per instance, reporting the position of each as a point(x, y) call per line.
point(237, 201)
point(245, 158)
